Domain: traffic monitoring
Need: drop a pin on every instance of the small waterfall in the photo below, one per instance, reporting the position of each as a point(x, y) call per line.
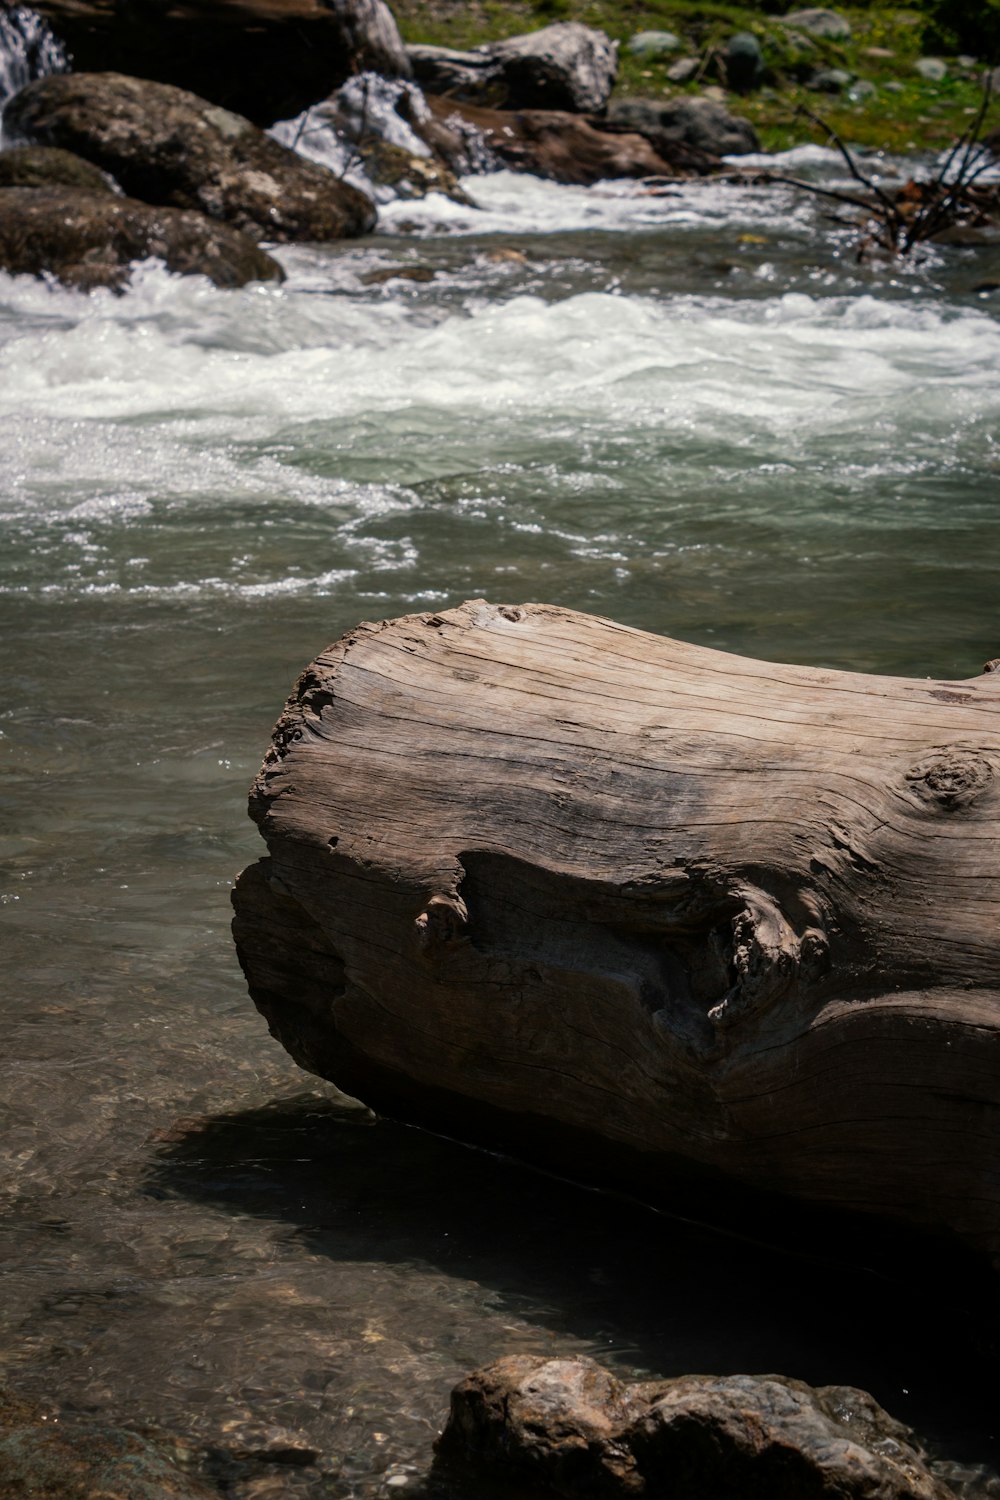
point(28, 50)
point(366, 107)
point(371, 108)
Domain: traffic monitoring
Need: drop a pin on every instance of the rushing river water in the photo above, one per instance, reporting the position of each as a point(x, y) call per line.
point(692, 412)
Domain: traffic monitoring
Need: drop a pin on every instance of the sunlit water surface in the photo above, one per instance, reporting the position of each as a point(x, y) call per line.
point(692, 412)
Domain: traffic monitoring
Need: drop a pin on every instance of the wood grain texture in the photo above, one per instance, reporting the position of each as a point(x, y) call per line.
point(531, 863)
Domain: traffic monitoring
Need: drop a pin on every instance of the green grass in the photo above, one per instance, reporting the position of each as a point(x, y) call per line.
point(916, 116)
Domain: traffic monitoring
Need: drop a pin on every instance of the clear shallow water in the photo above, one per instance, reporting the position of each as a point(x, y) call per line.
point(693, 413)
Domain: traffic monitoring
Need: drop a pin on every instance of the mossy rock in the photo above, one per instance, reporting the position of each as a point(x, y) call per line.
point(48, 166)
point(90, 240)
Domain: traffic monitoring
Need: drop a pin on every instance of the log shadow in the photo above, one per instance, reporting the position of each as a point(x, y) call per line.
point(667, 1295)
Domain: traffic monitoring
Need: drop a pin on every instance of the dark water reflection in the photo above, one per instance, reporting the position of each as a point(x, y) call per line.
point(645, 1292)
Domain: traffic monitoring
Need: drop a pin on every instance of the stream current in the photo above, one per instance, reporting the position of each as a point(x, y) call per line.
point(692, 412)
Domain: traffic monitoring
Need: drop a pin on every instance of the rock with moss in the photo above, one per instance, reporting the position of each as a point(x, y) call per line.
point(47, 166)
point(573, 1428)
point(89, 240)
point(168, 147)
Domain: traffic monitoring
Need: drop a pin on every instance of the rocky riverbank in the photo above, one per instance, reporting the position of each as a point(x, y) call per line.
point(408, 119)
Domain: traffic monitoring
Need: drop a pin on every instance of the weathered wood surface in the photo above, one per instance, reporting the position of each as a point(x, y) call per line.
point(532, 871)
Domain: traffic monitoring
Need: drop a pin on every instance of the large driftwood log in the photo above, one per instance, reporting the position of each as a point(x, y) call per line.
point(535, 876)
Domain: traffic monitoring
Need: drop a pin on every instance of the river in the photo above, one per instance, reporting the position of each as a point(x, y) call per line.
point(693, 412)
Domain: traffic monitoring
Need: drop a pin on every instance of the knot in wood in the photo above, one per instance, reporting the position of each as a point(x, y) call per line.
point(951, 777)
point(993, 665)
point(511, 612)
point(444, 922)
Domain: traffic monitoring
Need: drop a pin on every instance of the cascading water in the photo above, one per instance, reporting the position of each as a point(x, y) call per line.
point(370, 108)
point(28, 50)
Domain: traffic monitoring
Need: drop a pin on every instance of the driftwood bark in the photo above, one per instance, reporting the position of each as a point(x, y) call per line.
point(537, 877)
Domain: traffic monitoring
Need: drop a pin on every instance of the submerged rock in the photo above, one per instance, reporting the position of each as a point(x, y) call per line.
point(566, 66)
point(42, 1457)
point(701, 124)
point(166, 146)
point(47, 166)
point(569, 1425)
point(87, 239)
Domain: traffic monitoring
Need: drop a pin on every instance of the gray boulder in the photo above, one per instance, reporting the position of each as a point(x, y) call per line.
point(569, 1425)
point(654, 44)
point(684, 69)
point(566, 66)
point(468, 76)
point(166, 146)
point(701, 124)
point(90, 239)
point(819, 22)
point(933, 69)
point(829, 80)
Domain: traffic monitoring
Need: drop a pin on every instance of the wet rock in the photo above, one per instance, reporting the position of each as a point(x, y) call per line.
point(654, 44)
point(166, 146)
point(408, 175)
point(701, 124)
point(572, 1427)
point(817, 21)
point(90, 240)
point(41, 1456)
point(46, 166)
point(421, 274)
point(743, 62)
point(390, 127)
point(266, 59)
point(553, 144)
point(566, 66)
